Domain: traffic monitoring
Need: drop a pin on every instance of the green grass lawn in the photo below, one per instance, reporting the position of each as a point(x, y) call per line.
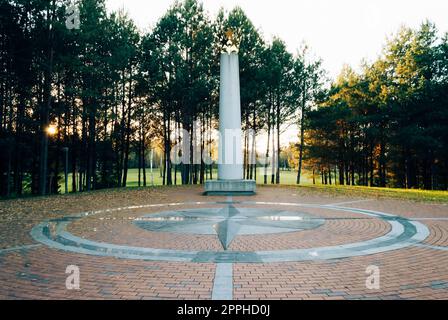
point(372, 192)
point(132, 180)
point(288, 178)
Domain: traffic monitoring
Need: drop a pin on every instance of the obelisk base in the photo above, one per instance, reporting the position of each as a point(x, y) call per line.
point(230, 187)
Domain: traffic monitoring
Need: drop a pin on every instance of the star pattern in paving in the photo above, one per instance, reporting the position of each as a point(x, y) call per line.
point(228, 222)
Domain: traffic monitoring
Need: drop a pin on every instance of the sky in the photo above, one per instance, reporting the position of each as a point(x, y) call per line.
point(337, 31)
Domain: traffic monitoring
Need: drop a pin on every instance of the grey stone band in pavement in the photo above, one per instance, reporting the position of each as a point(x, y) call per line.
point(20, 248)
point(428, 246)
point(404, 233)
point(223, 283)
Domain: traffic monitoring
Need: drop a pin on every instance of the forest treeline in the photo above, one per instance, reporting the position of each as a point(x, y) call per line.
point(101, 95)
point(387, 125)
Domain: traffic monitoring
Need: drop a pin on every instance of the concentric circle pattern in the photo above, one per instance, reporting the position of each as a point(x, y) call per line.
point(174, 243)
point(231, 222)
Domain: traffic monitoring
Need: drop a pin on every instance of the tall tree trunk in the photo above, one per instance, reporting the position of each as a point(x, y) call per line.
point(274, 156)
point(82, 165)
point(409, 170)
point(302, 132)
point(202, 170)
point(46, 106)
point(169, 178)
point(253, 165)
point(247, 147)
point(382, 160)
point(210, 145)
point(17, 167)
point(246, 156)
point(121, 148)
point(139, 155)
point(128, 130)
point(347, 173)
point(144, 159)
point(267, 148)
point(74, 148)
point(91, 162)
point(341, 173)
point(372, 169)
point(277, 177)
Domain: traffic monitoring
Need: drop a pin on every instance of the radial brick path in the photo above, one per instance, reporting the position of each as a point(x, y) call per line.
point(174, 243)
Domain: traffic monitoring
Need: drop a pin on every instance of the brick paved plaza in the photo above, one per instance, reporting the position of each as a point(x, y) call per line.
point(175, 243)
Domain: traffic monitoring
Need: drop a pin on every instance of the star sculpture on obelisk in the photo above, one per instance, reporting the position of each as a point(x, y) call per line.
point(230, 164)
point(231, 44)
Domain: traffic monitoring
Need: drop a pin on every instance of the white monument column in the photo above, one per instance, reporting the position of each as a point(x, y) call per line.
point(230, 163)
point(230, 147)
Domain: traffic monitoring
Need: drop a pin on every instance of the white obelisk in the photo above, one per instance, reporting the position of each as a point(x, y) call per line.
point(230, 164)
point(230, 147)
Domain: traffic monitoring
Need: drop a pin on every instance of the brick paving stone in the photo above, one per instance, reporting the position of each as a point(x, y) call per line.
point(38, 272)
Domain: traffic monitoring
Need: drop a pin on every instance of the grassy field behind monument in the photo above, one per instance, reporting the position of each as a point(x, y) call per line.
point(288, 178)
